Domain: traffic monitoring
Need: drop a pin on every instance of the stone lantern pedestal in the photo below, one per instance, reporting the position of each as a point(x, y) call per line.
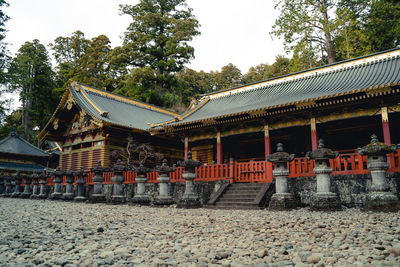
point(118, 187)
point(27, 189)
point(8, 186)
point(141, 197)
point(2, 184)
point(189, 199)
point(380, 198)
point(163, 197)
point(69, 180)
point(57, 194)
point(35, 189)
point(324, 199)
point(80, 184)
point(282, 199)
point(17, 189)
point(98, 195)
point(43, 182)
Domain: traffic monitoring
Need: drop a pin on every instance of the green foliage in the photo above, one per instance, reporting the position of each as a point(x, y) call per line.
point(30, 75)
point(229, 76)
point(157, 39)
point(11, 122)
point(4, 59)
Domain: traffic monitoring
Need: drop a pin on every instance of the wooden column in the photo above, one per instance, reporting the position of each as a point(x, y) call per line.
point(385, 126)
point(267, 141)
point(186, 147)
point(219, 148)
point(314, 135)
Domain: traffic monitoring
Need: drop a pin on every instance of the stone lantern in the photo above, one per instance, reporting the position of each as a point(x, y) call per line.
point(69, 180)
point(325, 199)
point(17, 180)
point(8, 186)
point(27, 188)
point(189, 198)
point(380, 198)
point(43, 181)
point(141, 197)
point(98, 180)
point(282, 199)
point(163, 197)
point(58, 175)
point(2, 184)
point(80, 184)
point(35, 182)
point(118, 180)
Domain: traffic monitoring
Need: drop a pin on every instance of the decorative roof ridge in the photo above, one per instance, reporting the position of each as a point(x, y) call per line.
point(127, 100)
point(342, 65)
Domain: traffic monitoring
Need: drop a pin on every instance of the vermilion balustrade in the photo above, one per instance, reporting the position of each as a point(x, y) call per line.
point(258, 171)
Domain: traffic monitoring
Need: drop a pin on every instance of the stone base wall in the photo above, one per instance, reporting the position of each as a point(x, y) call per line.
point(351, 189)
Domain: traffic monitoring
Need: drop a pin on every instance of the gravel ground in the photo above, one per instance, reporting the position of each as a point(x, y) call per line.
point(49, 233)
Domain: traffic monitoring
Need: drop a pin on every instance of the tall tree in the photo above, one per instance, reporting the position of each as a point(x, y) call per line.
point(307, 23)
point(256, 73)
point(158, 39)
point(32, 77)
point(229, 76)
point(4, 59)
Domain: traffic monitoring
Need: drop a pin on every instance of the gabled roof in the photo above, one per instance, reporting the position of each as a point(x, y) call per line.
point(342, 78)
point(13, 144)
point(111, 109)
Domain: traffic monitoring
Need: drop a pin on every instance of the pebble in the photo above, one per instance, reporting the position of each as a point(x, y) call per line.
point(51, 233)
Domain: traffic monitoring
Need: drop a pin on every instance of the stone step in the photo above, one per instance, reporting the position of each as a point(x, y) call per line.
point(234, 204)
point(237, 198)
point(232, 208)
point(242, 191)
point(234, 200)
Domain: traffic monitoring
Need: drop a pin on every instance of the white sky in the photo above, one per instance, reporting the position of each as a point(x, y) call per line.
point(232, 31)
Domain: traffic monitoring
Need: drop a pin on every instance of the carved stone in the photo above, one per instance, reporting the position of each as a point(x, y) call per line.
point(98, 195)
point(282, 199)
point(80, 184)
point(17, 179)
point(27, 189)
point(380, 198)
point(8, 186)
point(163, 197)
point(189, 199)
point(118, 180)
point(43, 181)
point(58, 175)
point(324, 199)
point(141, 197)
point(69, 180)
point(35, 188)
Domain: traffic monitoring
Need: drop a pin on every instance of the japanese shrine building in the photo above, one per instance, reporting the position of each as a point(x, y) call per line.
point(16, 154)
point(89, 124)
point(342, 103)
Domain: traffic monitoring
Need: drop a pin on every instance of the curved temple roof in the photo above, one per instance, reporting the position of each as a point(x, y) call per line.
point(365, 73)
point(13, 144)
point(116, 109)
point(111, 108)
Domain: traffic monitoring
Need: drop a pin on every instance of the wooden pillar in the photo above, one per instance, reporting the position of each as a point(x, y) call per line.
point(385, 126)
point(186, 147)
point(267, 141)
point(219, 148)
point(314, 135)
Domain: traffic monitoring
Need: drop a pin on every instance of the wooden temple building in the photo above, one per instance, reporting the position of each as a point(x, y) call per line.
point(89, 124)
point(16, 154)
point(342, 103)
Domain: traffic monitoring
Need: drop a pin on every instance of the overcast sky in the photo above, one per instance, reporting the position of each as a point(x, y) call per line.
point(232, 31)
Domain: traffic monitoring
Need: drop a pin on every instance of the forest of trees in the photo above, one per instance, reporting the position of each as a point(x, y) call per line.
point(150, 65)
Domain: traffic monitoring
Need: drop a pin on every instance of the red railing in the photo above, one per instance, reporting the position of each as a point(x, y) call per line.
point(258, 171)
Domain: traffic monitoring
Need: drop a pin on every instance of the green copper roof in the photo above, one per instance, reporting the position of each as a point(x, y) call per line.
point(118, 110)
point(5, 165)
point(381, 69)
point(13, 144)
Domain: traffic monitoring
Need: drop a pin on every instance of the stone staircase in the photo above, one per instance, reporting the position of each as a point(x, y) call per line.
point(244, 196)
